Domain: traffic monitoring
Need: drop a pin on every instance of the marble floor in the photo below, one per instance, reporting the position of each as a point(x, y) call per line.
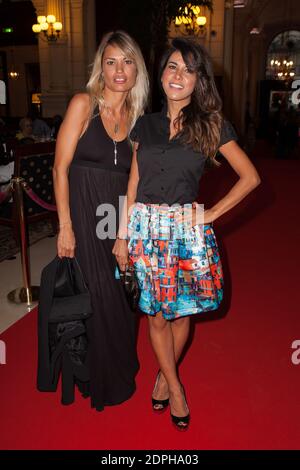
point(41, 253)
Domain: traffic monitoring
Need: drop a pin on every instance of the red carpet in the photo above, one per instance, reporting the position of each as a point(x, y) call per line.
point(242, 388)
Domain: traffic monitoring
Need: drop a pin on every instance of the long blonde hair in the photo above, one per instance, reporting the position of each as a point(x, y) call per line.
point(136, 99)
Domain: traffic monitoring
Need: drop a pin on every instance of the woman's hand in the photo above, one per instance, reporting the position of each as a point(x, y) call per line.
point(195, 215)
point(120, 250)
point(66, 242)
point(209, 216)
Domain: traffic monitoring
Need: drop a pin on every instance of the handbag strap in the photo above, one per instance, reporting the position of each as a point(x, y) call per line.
point(79, 268)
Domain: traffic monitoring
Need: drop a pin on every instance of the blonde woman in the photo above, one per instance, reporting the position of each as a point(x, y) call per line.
point(91, 170)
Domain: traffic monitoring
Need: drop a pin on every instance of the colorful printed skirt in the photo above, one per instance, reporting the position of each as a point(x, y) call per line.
point(178, 267)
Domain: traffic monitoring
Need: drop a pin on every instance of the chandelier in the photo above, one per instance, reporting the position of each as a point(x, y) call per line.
point(283, 56)
point(190, 20)
point(49, 26)
point(282, 69)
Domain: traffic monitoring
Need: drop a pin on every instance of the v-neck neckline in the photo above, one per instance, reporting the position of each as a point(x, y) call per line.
point(106, 132)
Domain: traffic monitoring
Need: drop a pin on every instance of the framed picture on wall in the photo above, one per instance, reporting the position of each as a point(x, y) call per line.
point(281, 99)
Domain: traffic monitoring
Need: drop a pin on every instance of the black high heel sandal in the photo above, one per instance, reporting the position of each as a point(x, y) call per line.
point(182, 422)
point(163, 404)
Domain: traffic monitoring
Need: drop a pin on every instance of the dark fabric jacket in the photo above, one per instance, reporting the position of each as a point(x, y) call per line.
point(63, 308)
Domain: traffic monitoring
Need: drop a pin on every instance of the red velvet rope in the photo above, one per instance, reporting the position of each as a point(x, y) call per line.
point(37, 199)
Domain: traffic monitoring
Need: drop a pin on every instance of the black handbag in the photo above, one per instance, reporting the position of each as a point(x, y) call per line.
point(130, 286)
point(71, 298)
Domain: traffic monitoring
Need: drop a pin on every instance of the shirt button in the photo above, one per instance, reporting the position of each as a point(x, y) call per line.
point(162, 169)
point(162, 188)
point(163, 151)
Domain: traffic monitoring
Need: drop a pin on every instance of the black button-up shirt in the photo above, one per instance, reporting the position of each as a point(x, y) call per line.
point(169, 171)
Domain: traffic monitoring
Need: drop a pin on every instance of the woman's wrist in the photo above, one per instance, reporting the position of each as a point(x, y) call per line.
point(211, 215)
point(65, 224)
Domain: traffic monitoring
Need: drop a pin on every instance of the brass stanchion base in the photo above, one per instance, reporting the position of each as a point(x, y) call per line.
point(19, 295)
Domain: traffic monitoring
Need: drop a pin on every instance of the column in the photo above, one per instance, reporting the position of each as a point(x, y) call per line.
point(228, 59)
point(63, 63)
point(76, 49)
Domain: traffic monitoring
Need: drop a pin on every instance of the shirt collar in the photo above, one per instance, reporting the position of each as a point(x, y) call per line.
point(165, 120)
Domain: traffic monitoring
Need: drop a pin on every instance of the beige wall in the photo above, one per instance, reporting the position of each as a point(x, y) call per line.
point(17, 89)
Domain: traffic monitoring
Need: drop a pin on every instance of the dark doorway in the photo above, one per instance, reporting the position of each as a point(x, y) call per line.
point(33, 86)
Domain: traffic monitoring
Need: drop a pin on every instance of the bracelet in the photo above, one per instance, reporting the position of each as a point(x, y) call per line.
point(120, 238)
point(65, 223)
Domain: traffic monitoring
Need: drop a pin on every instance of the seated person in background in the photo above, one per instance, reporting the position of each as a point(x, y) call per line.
point(25, 135)
point(6, 172)
point(40, 128)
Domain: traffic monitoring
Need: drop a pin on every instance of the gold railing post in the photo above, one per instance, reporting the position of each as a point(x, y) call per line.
point(26, 294)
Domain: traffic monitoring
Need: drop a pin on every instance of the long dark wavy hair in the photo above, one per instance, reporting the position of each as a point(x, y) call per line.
point(199, 123)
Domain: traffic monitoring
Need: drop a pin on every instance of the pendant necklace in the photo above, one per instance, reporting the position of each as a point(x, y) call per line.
point(115, 152)
point(116, 130)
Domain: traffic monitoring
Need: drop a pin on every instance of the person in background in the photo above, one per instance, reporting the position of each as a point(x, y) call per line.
point(25, 131)
point(6, 172)
point(40, 128)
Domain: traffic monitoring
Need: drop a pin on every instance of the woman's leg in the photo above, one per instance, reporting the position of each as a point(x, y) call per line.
point(180, 330)
point(162, 339)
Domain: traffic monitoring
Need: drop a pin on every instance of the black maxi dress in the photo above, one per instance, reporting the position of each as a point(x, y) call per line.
point(94, 179)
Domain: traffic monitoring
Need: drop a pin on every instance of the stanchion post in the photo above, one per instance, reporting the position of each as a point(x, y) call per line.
point(27, 293)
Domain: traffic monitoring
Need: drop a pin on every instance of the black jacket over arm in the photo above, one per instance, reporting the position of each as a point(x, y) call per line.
point(62, 341)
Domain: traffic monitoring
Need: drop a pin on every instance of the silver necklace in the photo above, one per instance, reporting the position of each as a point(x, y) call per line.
point(115, 152)
point(116, 130)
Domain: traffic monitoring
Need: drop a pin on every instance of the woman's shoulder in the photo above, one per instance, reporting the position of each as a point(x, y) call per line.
point(139, 126)
point(81, 100)
point(144, 125)
point(79, 106)
point(228, 132)
point(148, 118)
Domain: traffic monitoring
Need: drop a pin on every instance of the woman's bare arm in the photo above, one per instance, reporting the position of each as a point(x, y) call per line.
point(120, 247)
point(67, 139)
point(248, 180)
